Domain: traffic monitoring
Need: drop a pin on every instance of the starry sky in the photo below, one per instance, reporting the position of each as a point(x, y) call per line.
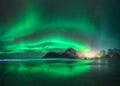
point(55, 25)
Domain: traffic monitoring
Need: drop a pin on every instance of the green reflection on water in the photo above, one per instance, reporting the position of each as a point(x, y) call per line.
point(51, 69)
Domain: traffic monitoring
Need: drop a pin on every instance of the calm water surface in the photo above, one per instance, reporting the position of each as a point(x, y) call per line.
point(60, 72)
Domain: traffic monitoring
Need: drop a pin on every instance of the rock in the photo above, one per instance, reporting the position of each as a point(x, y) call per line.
point(69, 54)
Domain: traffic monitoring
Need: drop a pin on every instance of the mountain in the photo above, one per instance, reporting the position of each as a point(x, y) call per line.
point(69, 54)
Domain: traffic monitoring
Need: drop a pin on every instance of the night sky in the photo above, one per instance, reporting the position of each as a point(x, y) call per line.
point(55, 25)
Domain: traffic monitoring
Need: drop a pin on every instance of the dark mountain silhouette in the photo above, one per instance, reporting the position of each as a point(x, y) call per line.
point(69, 53)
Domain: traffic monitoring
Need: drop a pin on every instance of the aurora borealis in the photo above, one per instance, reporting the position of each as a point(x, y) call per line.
point(55, 25)
point(59, 42)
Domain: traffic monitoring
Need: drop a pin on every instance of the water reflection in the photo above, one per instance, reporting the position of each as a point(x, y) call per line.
point(52, 69)
point(94, 72)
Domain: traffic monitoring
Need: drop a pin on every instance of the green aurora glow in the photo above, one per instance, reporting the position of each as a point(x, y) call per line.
point(30, 23)
point(37, 29)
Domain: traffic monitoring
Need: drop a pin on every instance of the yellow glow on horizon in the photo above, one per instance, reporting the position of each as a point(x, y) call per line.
point(98, 56)
point(90, 55)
